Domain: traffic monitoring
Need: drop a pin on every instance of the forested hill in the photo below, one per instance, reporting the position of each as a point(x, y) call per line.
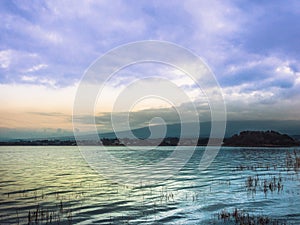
point(261, 139)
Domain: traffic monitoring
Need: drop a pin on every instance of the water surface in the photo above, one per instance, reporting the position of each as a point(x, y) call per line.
point(42, 183)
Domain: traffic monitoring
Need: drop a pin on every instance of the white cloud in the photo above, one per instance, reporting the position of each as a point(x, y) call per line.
point(284, 70)
point(36, 68)
point(43, 34)
point(215, 17)
point(48, 82)
point(29, 78)
point(17, 61)
point(5, 58)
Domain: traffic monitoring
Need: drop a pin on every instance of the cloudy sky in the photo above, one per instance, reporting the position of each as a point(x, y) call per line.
point(252, 47)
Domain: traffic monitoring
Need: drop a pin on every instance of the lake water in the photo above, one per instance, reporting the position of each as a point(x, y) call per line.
point(55, 185)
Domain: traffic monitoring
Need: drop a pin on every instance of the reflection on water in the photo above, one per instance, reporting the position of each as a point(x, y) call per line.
point(54, 184)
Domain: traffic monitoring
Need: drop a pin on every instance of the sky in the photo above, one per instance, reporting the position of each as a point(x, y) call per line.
point(252, 47)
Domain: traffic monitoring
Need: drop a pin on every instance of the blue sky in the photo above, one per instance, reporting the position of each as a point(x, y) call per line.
point(253, 48)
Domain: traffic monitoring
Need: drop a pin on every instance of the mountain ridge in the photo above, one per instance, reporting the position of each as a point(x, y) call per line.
point(290, 127)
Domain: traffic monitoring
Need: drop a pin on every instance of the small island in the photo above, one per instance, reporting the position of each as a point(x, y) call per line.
point(260, 139)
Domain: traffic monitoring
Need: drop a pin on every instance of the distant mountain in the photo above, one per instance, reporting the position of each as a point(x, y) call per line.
point(233, 127)
point(296, 137)
point(7, 134)
point(290, 127)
